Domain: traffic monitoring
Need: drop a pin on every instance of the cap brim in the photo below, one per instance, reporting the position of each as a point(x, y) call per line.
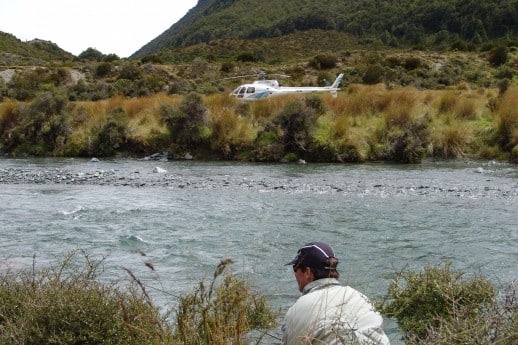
point(292, 262)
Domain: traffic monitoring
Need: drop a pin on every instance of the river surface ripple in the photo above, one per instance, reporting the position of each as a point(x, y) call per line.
point(187, 216)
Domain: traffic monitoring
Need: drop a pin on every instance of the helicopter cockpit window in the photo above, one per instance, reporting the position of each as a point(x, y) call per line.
point(250, 90)
point(241, 92)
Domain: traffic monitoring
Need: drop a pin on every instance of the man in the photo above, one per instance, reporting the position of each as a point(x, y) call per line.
point(328, 313)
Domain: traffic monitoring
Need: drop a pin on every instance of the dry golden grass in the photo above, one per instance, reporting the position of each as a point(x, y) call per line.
point(458, 120)
point(508, 117)
point(8, 113)
point(449, 138)
point(447, 101)
point(359, 100)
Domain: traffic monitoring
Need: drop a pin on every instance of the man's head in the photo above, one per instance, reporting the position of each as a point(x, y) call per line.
point(314, 260)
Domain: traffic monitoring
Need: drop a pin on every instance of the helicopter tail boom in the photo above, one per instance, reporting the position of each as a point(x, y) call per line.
point(336, 83)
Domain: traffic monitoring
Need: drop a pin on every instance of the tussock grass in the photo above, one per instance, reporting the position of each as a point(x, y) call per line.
point(360, 100)
point(8, 114)
point(507, 120)
point(447, 102)
point(449, 138)
point(374, 122)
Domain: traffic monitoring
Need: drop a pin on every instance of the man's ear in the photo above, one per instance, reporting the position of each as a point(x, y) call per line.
point(309, 273)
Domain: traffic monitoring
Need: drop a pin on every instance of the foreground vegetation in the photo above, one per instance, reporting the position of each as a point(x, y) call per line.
point(364, 123)
point(72, 303)
point(442, 306)
point(69, 304)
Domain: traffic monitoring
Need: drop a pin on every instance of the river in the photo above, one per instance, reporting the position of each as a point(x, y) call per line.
point(186, 216)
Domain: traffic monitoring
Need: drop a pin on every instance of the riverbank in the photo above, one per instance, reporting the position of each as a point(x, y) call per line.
point(363, 124)
point(138, 173)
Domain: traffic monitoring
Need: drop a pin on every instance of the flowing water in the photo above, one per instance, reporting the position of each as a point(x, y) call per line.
point(187, 216)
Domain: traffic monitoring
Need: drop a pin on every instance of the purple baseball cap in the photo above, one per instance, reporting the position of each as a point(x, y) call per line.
point(313, 254)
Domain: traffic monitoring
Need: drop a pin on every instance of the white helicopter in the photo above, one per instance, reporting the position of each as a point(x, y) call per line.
point(261, 89)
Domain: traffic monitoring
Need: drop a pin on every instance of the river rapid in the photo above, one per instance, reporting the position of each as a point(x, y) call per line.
point(187, 216)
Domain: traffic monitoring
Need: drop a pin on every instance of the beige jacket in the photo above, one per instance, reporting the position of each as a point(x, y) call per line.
point(328, 313)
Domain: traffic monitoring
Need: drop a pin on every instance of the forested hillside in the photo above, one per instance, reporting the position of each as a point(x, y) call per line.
point(396, 23)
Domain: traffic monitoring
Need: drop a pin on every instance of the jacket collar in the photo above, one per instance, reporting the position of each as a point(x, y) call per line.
point(319, 284)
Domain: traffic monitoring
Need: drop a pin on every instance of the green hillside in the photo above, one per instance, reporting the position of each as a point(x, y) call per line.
point(15, 52)
point(395, 23)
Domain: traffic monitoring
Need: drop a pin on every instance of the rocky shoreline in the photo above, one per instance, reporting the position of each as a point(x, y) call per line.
point(155, 174)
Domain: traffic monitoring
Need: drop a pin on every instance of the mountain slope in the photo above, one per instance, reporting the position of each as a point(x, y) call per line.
point(14, 51)
point(392, 22)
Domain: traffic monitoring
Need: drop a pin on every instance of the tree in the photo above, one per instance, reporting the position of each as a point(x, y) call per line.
point(91, 54)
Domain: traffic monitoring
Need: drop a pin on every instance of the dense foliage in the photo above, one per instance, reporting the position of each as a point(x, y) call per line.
point(442, 306)
point(391, 22)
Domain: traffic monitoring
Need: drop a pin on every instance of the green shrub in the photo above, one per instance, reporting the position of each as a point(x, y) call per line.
point(113, 133)
point(227, 67)
point(498, 55)
point(38, 128)
point(412, 63)
point(130, 71)
point(73, 303)
point(323, 61)
point(103, 69)
point(91, 54)
point(68, 305)
point(25, 84)
point(186, 123)
point(495, 325)
point(247, 57)
point(420, 302)
point(373, 74)
point(297, 122)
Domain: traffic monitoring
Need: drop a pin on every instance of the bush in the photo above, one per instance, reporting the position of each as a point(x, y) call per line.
point(247, 57)
point(496, 325)
point(222, 313)
point(297, 122)
point(227, 67)
point(113, 133)
point(421, 302)
point(67, 305)
point(103, 69)
point(323, 61)
point(186, 123)
point(38, 128)
point(498, 55)
point(373, 74)
point(91, 54)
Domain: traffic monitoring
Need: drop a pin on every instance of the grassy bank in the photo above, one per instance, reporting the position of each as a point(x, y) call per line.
point(364, 123)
